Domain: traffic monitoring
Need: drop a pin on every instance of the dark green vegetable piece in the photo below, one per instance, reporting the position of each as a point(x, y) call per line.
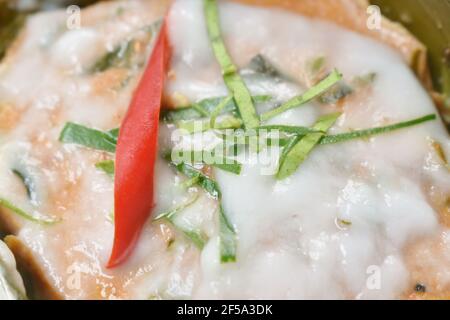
point(232, 79)
point(227, 238)
point(226, 122)
point(120, 57)
point(208, 106)
point(287, 129)
point(107, 167)
point(360, 134)
point(125, 54)
point(40, 220)
point(310, 94)
point(221, 162)
point(198, 238)
point(300, 147)
point(218, 110)
point(204, 181)
point(91, 138)
point(227, 232)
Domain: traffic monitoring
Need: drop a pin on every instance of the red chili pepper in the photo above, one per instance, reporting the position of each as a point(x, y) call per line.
point(136, 154)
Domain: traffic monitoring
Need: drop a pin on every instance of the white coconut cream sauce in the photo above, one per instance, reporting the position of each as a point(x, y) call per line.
point(291, 240)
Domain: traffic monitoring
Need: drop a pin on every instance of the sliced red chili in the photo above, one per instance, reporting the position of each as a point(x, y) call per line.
point(136, 154)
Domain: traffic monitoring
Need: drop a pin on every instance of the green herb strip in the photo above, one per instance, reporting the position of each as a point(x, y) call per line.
point(196, 126)
point(218, 110)
point(227, 232)
point(199, 108)
point(209, 158)
point(119, 57)
point(91, 138)
point(123, 54)
point(227, 236)
point(312, 93)
point(204, 107)
point(197, 237)
point(298, 152)
point(114, 133)
point(287, 129)
point(189, 183)
point(229, 71)
point(9, 205)
point(107, 167)
point(361, 134)
point(343, 137)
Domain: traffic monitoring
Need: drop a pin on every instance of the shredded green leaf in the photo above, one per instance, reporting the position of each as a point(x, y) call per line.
point(205, 182)
point(124, 55)
point(361, 134)
point(229, 167)
point(190, 182)
point(227, 232)
point(288, 129)
point(297, 153)
point(106, 166)
point(207, 106)
point(227, 238)
point(91, 138)
point(120, 57)
point(224, 122)
point(40, 220)
point(209, 157)
point(232, 79)
point(114, 133)
point(299, 132)
point(197, 237)
point(169, 215)
point(199, 108)
point(315, 66)
point(312, 93)
point(218, 110)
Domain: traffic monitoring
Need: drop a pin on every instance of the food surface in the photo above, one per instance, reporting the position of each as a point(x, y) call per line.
point(363, 218)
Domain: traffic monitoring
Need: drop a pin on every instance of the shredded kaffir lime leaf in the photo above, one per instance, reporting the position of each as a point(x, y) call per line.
point(299, 149)
point(207, 106)
point(91, 138)
point(231, 77)
point(227, 236)
point(287, 129)
point(30, 217)
point(208, 157)
point(107, 167)
point(367, 133)
point(198, 238)
point(227, 233)
point(312, 93)
point(218, 110)
point(224, 122)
